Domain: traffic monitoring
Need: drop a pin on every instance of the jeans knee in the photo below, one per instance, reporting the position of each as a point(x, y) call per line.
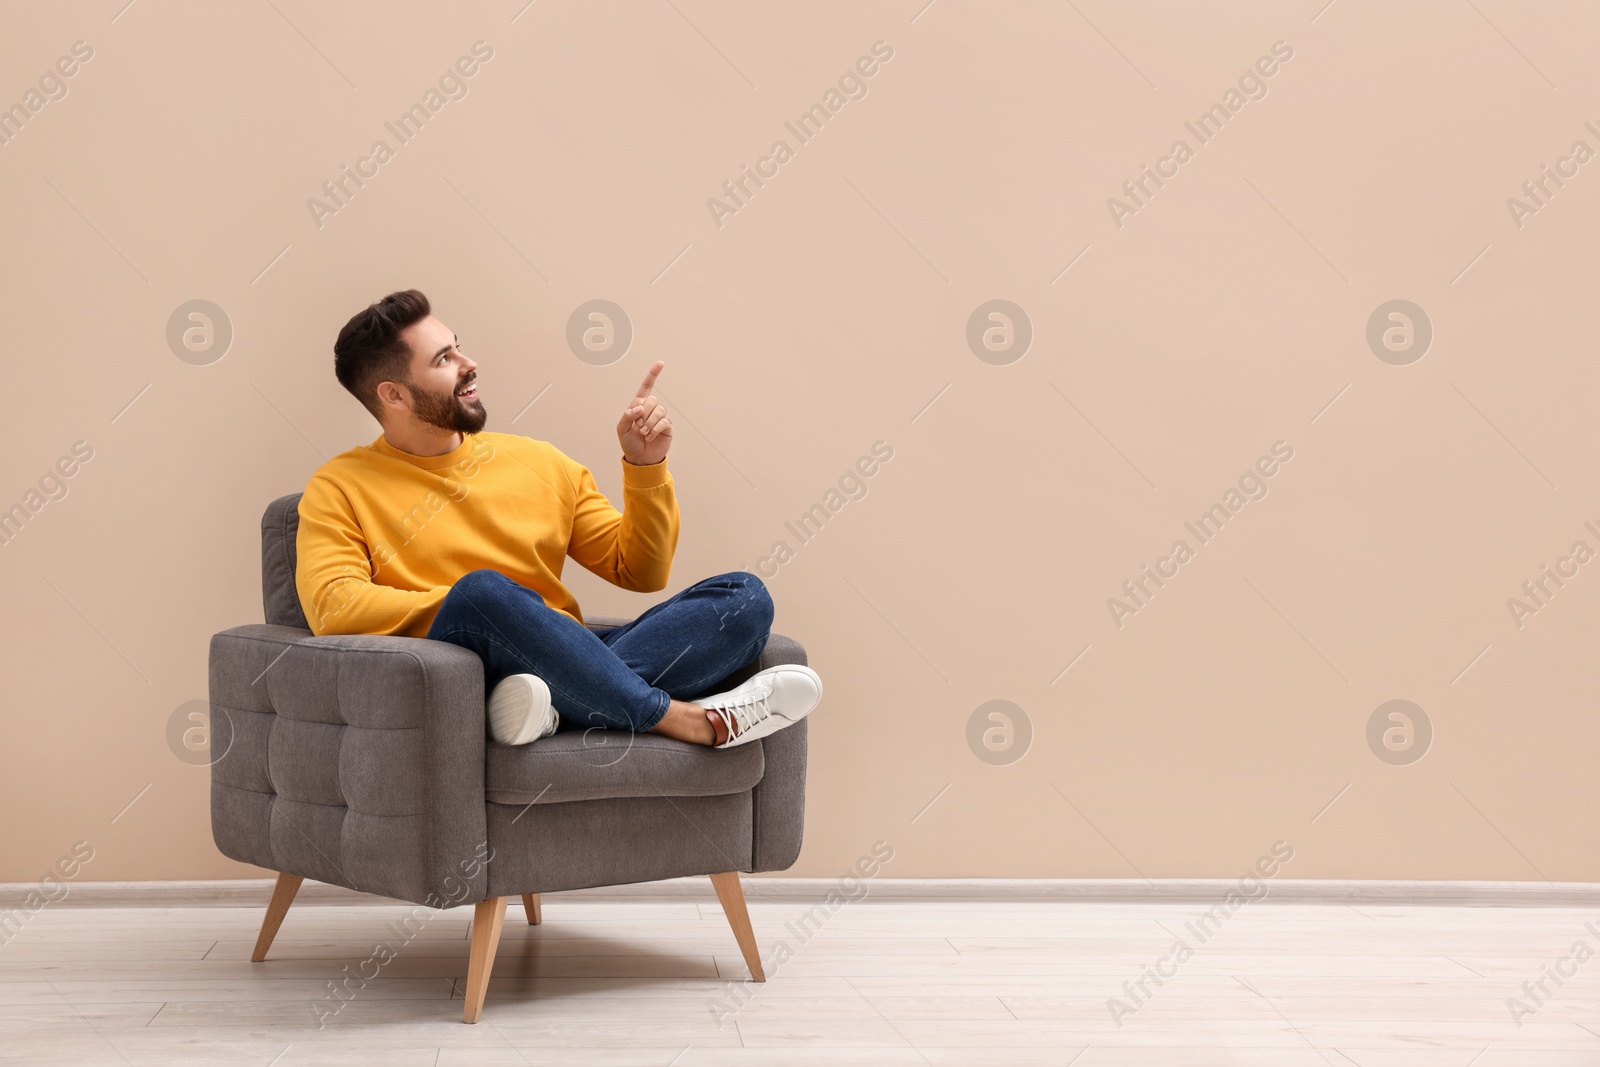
point(482, 587)
point(750, 603)
point(479, 581)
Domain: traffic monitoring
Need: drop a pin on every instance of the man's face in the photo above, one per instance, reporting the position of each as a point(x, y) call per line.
point(444, 383)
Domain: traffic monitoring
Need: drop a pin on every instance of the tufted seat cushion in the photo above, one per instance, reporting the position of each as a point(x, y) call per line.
point(599, 764)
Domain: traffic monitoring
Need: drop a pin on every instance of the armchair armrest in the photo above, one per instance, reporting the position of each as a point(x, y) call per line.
point(779, 815)
point(352, 759)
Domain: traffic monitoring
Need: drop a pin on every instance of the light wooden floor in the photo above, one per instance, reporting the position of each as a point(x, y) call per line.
point(631, 985)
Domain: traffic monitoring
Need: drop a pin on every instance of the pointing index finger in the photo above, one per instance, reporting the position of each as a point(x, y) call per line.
point(649, 379)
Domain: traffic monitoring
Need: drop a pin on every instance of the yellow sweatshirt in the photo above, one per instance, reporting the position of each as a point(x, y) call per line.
point(385, 534)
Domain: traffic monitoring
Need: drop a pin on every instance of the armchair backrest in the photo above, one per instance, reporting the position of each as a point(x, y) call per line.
point(279, 599)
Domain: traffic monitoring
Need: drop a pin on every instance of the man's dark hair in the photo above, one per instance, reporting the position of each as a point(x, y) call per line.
point(370, 349)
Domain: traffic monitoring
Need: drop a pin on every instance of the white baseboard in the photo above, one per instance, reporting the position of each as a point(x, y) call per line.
point(253, 892)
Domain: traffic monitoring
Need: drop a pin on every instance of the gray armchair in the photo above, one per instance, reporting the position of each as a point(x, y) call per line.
point(364, 761)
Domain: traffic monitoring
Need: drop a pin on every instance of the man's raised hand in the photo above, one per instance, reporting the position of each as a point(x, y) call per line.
point(644, 429)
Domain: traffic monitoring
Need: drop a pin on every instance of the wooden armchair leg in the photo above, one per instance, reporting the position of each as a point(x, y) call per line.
point(530, 904)
point(282, 896)
point(731, 894)
point(487, 919)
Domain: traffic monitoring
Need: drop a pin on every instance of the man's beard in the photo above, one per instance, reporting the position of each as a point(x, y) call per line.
point(448, 411)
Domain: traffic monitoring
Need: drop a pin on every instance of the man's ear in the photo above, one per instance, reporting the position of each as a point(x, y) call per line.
point(390, 394)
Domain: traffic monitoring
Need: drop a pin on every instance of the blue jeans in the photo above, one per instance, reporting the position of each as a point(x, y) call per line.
point(618, 679)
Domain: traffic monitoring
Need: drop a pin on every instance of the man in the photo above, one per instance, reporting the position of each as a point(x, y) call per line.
point(438, 529)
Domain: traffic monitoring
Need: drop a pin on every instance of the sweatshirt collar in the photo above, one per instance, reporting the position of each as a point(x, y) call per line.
point(427, 463)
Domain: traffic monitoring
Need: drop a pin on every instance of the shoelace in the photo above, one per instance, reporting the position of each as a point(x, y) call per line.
point(742, 712)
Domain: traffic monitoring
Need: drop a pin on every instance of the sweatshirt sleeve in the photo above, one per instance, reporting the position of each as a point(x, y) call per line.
point(632, 548)
point(333, 573)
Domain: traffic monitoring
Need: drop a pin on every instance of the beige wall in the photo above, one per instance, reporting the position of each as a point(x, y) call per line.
point(1225, 314)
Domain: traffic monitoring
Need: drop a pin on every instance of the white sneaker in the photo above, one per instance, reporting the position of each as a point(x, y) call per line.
point(772, 699)
point(520, 710)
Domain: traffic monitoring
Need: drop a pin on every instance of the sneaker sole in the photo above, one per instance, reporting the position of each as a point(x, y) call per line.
point(520, 710)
